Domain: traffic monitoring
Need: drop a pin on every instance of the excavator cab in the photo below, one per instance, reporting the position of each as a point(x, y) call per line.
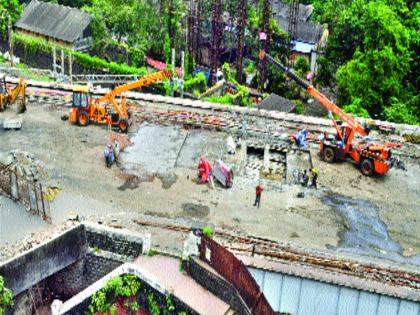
point(79, 113)
point(81, 97)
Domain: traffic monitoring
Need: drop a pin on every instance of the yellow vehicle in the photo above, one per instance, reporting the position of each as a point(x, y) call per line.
point(11, 96)
point(86, 109)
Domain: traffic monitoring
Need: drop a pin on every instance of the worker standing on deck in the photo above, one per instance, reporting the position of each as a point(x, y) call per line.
point(258, 191)
point(314, 178)
point(305, 179)
point(109, 155)
point(108, 122)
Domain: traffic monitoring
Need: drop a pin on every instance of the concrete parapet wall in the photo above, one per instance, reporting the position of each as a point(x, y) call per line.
point(29, 268)
point(210, 280)
point(122, 242)
point(74, 259)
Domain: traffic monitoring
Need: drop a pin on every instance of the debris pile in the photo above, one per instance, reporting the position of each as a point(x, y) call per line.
point(23, 164)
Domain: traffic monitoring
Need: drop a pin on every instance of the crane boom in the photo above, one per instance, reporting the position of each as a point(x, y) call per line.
point(325, 102)
point(142, 82)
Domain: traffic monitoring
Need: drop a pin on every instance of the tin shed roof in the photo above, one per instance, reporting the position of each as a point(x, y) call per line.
point(57, 21)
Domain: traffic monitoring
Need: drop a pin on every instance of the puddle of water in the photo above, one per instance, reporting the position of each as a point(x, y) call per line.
point(365, 232)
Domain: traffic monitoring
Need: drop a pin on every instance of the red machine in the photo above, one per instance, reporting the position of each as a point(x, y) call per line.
point(371, 157)
point(204, 170)
point(223, 173)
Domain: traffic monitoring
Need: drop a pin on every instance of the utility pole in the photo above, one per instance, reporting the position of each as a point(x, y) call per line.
point(197, 56)
point(241, 40)
point(265, 39)
point(192, 37)
point(292, 29)
point(216, 38)
point(10, 34)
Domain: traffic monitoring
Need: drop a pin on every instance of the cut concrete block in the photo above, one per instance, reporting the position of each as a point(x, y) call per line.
point(12, 123)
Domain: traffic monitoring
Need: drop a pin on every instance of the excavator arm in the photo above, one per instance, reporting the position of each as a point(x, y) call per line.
point(325, 102)
point(146, 80)
point(11, 96)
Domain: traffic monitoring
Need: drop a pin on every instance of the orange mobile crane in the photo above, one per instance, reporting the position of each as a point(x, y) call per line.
point(371, 158)
point(86, 109)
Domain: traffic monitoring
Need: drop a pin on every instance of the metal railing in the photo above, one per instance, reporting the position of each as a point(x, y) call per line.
point(235, 272)
point(103, 78)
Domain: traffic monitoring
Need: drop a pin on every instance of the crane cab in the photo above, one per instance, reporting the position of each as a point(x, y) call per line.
point(79, 113)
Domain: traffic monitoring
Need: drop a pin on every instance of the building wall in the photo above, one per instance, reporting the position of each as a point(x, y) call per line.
point(300, 296)
point(47, 38)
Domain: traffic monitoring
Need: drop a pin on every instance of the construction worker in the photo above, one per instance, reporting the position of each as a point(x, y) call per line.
point(305, 179)
point(258, 191)
point(108, 122)
point(314, 178)
point(109, 155)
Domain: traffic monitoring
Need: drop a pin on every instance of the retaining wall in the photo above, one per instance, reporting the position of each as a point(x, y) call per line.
point(29, 268)
point(71, 262)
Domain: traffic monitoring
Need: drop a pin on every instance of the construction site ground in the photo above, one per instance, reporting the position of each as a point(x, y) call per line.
point(73, 159)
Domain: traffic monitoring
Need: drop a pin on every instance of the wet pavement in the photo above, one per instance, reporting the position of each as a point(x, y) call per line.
point(16, 223)
point(158, 150)
point(365, 232)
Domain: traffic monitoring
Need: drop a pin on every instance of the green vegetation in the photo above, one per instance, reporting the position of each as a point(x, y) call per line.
point(372, 52)
point(208, 231)
point(128, 286)
point(371, 55)
point(120, 286)
point(8, 9)
point(6, 297)
point(36, 45)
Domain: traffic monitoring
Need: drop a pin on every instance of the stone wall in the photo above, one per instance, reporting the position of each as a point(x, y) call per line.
point(78, 276)
point(72, 261)
point(124, 243)
point(216, 285)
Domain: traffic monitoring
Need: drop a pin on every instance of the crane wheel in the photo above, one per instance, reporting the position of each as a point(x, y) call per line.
point(123, 125)
point(82, 118)
point(366, 167)
point(328, 155)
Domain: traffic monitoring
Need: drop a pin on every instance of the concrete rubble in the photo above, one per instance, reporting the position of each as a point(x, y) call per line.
point(24, 164)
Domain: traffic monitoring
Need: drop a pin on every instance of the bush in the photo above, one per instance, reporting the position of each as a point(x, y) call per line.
point(199, 81)
point(399, 112)
point(208, 231)
point(6, 297)
point(356, 108)
point(299, 109)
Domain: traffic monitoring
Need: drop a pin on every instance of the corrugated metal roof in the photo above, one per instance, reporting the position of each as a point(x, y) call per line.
point(57, 21)
point(281, 9)
point(307, 32)
point(300, 296)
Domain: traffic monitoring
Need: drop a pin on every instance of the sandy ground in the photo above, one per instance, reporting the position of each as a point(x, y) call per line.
point(74, 161)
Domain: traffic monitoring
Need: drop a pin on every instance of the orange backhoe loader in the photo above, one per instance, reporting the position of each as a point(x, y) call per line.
point(10, 96)
point(85, 109)
point(371, 158)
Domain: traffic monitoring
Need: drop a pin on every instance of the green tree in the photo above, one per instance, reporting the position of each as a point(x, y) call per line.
point(9, 9)
point(375, 73)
